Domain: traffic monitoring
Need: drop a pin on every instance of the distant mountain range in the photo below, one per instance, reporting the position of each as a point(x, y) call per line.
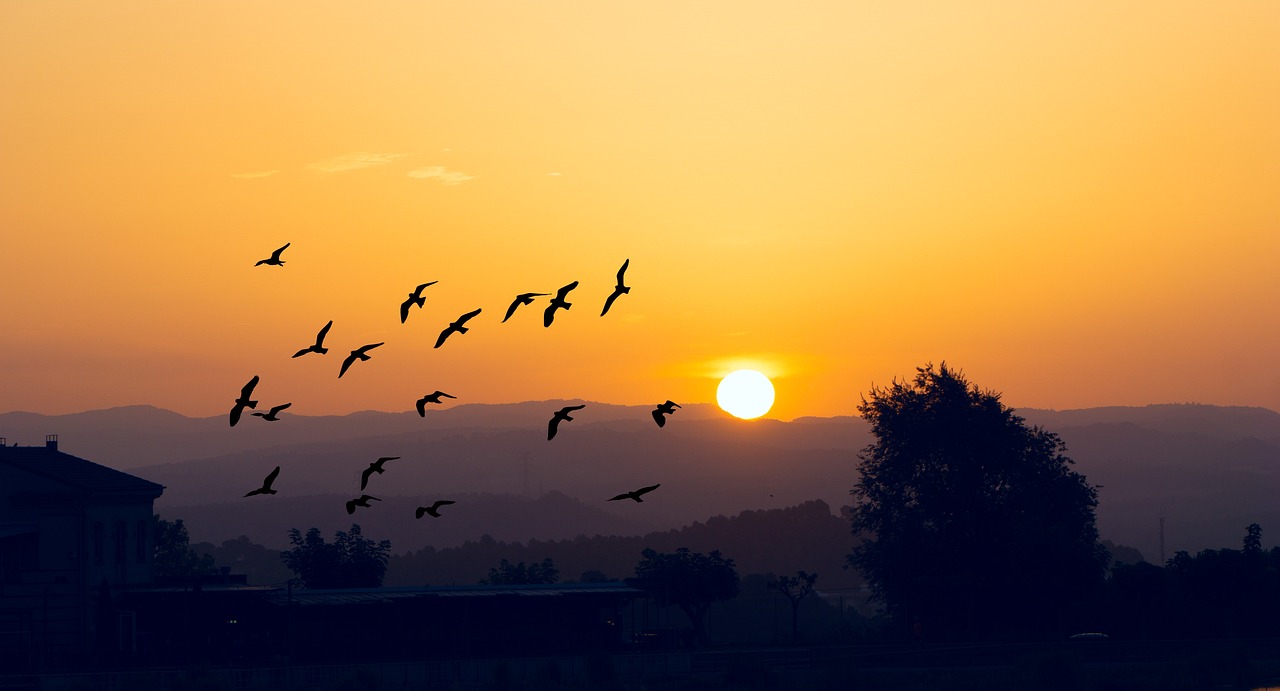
point(1209, 471)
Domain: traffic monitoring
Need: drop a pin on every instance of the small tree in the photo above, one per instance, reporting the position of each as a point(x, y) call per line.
point(794, 589)
point(350, 561)
point(173, 556)
point(506, 573)
point(690, 581)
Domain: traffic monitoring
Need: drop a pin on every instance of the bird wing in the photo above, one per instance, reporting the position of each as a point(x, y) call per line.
point(276, 255)
point(280, 407)
point(444, 334)
point(564, 292)
point(419, 511)
point(552, 426)
point(247, 391)
point(658, 417)
point(302, 352)
point(236, 410)
point(364, 476)
point(625, 495)
point(351, 506)
point(347, 363)
point(467, 317)
point(646, 490)
point(271, 477)
point(404, 309)
point(623, 270)
point(571, 408)
point(323, 332)
point(441, 393)
point(512, 309)
point(422, 406)
point(549, 315)
point(609, 301)
point(442, 502)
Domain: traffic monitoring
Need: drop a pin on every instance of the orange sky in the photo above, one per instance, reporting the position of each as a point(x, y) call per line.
point(1077, 203)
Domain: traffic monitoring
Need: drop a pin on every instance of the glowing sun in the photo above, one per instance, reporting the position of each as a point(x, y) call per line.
point(745, 393)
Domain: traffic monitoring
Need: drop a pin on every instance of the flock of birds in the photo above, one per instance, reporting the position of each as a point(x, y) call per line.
point(415, 299)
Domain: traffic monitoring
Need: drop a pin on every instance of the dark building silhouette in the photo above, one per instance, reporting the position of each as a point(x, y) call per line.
point(73, 536)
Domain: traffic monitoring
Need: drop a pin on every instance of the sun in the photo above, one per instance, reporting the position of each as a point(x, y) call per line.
point(745, 393)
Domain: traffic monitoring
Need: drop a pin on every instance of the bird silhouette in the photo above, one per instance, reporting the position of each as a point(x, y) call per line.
point(375, 467)
point(359, 353)
point(415, 298)
point(270, 416)
point(318, 346)
point(434, 509)
point(244, 402)
point(274, 259)
point(363, 500)
point(636, 494)
point(456, 326)
point(562, 414)
point(266, 484)
point(431, 398)
point(662, 411)
point(557, 302)
point(521, 299)
point(619, 289)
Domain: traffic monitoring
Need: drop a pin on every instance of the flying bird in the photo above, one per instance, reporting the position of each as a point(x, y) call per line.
point(521, 299)
point(318, 346)
point(662, 411)
point(244, 402)
point(434, 509)
point(270, 416)
point(557, 302)
point(636, 494)
point(375, 467)
point(274, 259)
point(619, 289)
point(431, 398)
point(415, 298)
point(362, 501)
point(359, 353)
point(456, 326)
point(266, 484)
point(562, 414)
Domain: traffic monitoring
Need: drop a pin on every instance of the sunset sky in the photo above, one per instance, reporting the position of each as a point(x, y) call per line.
point(1077, 203)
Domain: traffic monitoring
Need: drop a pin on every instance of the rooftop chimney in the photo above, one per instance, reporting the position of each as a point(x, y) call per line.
point(51, 442)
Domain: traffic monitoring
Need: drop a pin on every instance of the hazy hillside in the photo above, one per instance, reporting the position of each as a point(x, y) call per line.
point(1209, 471)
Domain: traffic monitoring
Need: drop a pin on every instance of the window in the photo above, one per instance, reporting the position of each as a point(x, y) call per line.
point(122, 536)
point(99, 541)
point(140, 542)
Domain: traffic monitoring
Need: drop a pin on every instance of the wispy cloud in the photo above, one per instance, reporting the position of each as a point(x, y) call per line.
point(360, 159)
point(445, 176)
point(255, 174)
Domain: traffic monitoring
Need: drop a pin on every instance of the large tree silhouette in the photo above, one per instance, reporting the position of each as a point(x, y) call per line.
point(350, 561)
point(970, 521)
point(173, 556)
point(688, 580)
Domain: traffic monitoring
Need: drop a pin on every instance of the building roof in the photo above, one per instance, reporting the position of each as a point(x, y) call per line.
point(76, 473)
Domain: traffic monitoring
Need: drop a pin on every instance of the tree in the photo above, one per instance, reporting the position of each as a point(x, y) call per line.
point(506, 573)
point(350, 561)
point(173, 556)
point(794, 588)
point(688, 580)
point(969, 520)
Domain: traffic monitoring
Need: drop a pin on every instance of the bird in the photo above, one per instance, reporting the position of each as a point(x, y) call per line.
point(244, 402)
point(270, 416)
point(619, 289)
point(431, 398)
point(274, 259)
point(360, 353)
point(434, 509)
point(562, 414)
point(557, 301)
point(415, 298)
point(318, 346)
point(662, 411)
point(521, 299)
point(636, 494)
point(456, 326)
point(362, 501)
point(375, 467)
point(266, 484)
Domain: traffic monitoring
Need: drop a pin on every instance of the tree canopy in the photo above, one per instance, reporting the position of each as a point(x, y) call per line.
point(688, 580)
point(969, 520)
point(173, 556)
point(350, 561)
point(506, 573)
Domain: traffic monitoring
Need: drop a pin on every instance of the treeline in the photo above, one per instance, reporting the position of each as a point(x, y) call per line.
point(802, 537)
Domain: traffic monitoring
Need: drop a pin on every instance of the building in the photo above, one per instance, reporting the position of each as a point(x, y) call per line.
point(73, 535)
